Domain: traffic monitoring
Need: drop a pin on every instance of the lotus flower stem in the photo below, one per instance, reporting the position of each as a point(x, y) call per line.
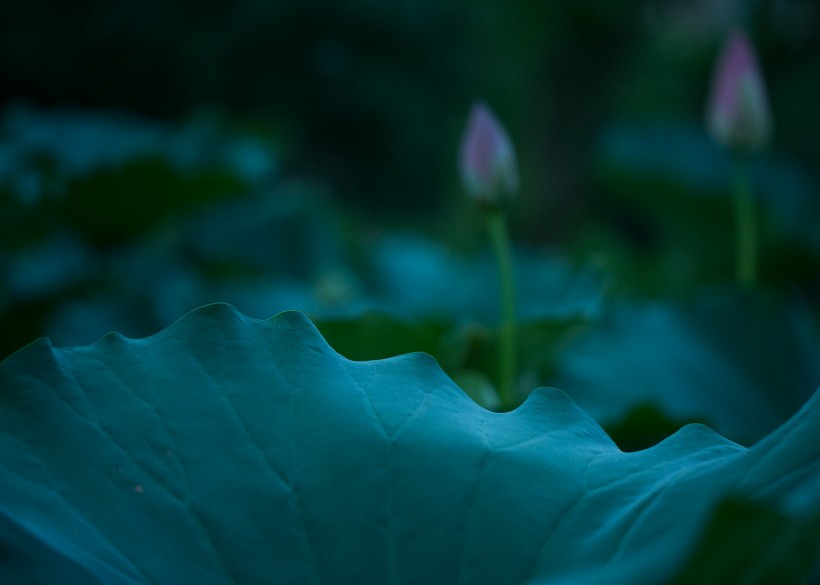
point(746, 261)
point(738, 118)
point(489, 174)
point(499, 236)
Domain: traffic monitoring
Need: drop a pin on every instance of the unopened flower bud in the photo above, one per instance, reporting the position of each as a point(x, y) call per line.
point(487, 160)
point(738, 112)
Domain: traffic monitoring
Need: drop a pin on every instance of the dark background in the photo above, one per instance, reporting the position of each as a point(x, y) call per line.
point(361, 103)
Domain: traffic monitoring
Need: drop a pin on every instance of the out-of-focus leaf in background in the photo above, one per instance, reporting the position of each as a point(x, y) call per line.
point(88, 197)
point(673, 188)
point(742, 364)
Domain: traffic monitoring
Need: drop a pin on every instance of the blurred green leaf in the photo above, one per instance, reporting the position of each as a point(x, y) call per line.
point(668, 197)
point(373, 336)
point(742, 363)
point(748, 528)
point(111, 207)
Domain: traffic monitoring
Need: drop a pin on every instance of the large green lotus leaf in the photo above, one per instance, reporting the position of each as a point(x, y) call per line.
point(741, 363)
point(229, 450)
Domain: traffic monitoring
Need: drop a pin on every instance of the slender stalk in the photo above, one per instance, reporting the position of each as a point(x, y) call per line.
point(746, 261)
point(497, 225)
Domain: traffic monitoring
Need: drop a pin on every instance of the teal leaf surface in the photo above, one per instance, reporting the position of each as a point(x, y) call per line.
point(230, 450)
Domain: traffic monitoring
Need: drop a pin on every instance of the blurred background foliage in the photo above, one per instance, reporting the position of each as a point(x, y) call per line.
point(155, 156)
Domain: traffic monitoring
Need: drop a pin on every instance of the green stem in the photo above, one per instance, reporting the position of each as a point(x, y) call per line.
point(497, 225)
point(746, 262)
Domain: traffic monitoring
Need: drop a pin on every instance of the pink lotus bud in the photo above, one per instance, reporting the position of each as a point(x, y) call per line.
point(487, 159)
point(738, 112)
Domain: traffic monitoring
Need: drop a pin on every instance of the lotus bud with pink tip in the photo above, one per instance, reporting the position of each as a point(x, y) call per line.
point(488, 166)
point(738, 113)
